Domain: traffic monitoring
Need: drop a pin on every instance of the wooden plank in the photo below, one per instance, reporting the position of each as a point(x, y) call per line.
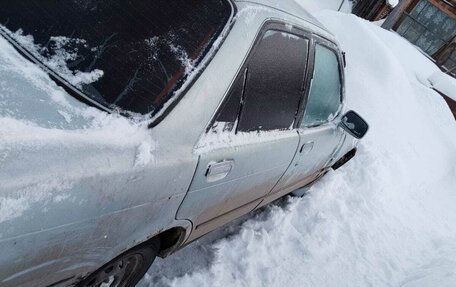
point(396, 15)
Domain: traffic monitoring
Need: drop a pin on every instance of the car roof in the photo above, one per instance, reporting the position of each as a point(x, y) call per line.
point(290, 7)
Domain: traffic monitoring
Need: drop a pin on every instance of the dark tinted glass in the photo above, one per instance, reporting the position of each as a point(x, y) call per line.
point(274, 82)
point(145, 49)
point(231, 107)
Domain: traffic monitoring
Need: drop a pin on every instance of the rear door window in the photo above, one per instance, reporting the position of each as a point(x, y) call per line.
point(267, 93)
point(133, 55)
point(325, 95)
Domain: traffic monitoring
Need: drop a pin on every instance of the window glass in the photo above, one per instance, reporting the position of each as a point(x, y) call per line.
point(274, 82)
point(325, 91)
point(231, 108)
point(131, 54)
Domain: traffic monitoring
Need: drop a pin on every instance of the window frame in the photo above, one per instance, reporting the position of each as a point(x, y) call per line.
point(268, 25)
point(322, 41)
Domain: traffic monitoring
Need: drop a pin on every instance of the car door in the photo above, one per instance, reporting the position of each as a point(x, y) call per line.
point(252, 139)
point(319, 133)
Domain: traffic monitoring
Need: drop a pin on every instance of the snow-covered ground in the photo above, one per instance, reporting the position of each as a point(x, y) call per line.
point(388, 218)
point(445, 84)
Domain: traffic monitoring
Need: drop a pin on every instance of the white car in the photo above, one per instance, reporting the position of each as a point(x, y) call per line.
point(245, 100)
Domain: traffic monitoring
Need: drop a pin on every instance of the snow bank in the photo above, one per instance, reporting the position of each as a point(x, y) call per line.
point(385, 219)
point(444, 83)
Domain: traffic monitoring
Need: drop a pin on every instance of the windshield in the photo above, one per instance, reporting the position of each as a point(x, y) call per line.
point(133, 55)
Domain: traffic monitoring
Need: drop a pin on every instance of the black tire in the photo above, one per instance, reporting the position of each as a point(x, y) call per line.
point(126, 270)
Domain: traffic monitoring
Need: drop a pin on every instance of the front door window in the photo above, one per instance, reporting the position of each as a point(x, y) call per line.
point(325, 91)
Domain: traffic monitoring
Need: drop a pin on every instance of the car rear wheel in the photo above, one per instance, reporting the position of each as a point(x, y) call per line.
point(126, 270)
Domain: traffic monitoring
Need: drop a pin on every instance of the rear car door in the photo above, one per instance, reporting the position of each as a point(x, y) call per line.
point(252, 139)
point(319, 133)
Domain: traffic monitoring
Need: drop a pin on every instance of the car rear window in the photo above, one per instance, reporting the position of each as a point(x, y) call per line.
point(128, 54)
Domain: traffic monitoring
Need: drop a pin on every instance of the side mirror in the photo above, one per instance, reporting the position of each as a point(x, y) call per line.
point(354, 124)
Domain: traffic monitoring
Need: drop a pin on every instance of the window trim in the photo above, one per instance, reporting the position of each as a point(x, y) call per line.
point(319, 40)
point(268, 25)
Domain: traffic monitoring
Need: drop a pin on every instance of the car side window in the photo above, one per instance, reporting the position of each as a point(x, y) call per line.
point(229, 112)
point(324, 97)
point(267, 92)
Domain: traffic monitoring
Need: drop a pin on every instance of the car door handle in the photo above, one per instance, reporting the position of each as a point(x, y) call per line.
point(307, 147)
point(219, 170)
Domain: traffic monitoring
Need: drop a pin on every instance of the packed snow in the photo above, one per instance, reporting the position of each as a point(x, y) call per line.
point(385, 219)
point(444, 83)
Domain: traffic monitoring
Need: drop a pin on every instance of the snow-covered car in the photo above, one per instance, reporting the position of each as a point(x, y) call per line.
point(244, 101)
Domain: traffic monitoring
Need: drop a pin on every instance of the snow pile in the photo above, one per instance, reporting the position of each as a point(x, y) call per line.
point(444, 83)
point(385, 219)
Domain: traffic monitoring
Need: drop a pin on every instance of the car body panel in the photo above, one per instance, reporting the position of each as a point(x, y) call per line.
point(315, 147)
point(99, 194)
point(256, 169)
